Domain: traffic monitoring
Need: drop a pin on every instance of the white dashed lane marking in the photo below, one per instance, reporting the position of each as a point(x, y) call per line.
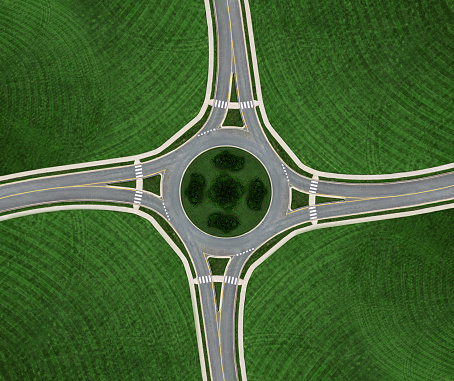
point(247, 104)
point(207, 132)
point(165, 209)
point(220, 104)
point(285, 172)
point(138, 197)
point(244, 252)
point(231, 280)
point(313, 188)
point(312, 213)
point(138, 169)
point(204, 279)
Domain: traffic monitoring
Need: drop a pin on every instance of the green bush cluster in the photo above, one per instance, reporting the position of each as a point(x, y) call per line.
point(226, 192)
point(195, 189)
point(257, 193)
point(224, 222)
point(229, 161)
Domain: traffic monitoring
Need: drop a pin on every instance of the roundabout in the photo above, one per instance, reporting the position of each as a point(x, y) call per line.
point(225, 192)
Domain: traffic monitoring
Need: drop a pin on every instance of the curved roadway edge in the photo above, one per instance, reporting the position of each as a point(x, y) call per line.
point(158, 150)
point(301, 231)
point(298, 162)
point(175, 248)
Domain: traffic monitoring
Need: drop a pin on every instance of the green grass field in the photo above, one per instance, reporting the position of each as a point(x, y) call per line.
point(359, 87)
point(198, 214)
point(360, 302)
point(93, 295)
point(95, 80)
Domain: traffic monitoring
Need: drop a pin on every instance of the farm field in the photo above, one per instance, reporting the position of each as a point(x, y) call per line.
point(93, 295)
point(87, 80)
point(359, 87)
point(360, 302)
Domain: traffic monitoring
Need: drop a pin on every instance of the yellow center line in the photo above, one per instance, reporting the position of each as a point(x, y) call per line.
point(88, 185)
point(216, 315)
point(372, 198)
point(234, 63)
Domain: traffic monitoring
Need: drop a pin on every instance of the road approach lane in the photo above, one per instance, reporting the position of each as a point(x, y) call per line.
point(219, 325)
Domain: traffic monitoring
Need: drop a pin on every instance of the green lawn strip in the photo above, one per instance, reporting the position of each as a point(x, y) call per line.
point(218, 265)
point(87, 169)
point(185, 137)
point(218, 291)
point(65, 204)
point(152, 184)
point(348, 100)
point(202, 331)
point(233, 118)
point(279, 150)
point(99, 81)
point(388, 180)
point(299, 199)
point(93, 295)
point(237, 352)
point(320, 199)
point(267, 246)
point(248, 49)
point(393, 211)
point(215, 53)
point(355, 303)
point(233, 94)
point(200, 213)
point(171, 233)
point(127, 184)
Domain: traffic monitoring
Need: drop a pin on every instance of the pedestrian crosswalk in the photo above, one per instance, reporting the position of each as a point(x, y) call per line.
point(231, 280)
point(246, 104)
point(205, 279)
point(220, 104)
point(312, 213)
point(244, 252)
point(313, 188)
point(138, 169)
point(138, 197)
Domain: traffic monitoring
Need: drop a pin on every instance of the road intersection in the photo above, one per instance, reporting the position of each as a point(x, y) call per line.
point(232, 64)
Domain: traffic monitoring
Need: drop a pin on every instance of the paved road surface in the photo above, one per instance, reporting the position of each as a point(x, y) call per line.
point(219, 325)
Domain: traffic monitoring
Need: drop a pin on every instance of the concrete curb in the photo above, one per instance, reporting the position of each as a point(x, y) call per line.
point(301, 231)
point(150, 219)
point(287, 148)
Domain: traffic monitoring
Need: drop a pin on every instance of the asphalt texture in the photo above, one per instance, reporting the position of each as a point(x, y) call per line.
point(357, 198)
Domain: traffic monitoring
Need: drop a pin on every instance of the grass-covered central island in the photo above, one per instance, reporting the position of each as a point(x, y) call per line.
point(226, 191)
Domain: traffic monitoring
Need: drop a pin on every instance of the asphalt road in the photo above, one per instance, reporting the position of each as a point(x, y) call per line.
point(219, 325)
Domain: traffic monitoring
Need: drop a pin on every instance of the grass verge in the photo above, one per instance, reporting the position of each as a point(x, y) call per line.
point(152, 184)
point(361, 302)
point(233, 118)
point(218, 265)
point(299, 199)
point(320, 199)
point(84, 295)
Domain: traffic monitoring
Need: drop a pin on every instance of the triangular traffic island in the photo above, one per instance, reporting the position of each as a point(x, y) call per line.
point(218, 265)
point(233, 94)
point(299, 199)
point(152, 184)
point(233, 119)
point(126, 184)
point(321, 199)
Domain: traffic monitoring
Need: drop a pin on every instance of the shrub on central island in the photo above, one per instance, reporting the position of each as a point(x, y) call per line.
point(226, 191)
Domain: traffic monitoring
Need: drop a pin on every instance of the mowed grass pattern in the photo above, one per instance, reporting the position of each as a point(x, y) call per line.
point(86, 80)
point(93, 295)
point(359, 87)
point(360, 302)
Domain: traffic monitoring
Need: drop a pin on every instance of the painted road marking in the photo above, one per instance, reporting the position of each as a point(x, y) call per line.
point(313, 188)
point(246, 104)
point(220, 104)
point(138, 170)
point(137, 197)
point(285, 172)
point(165, 210)
point(312, 213)
point(231, 280)
point(207, 132)
point(245, 252)
point(204, 279)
